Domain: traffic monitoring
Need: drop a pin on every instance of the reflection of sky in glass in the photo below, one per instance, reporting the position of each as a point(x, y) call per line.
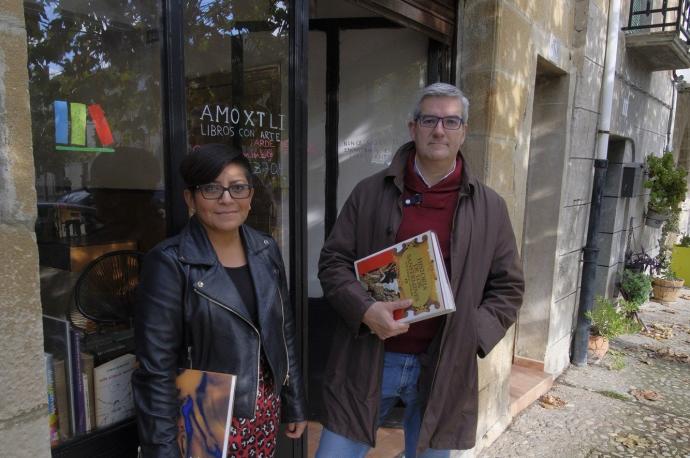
point(205, 6)
point(52, 14)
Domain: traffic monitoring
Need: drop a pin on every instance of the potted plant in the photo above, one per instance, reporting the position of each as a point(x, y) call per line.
point(668, 186)
point(635, 286)
point(607, 322)
point(680, 258)
point(666, 284)
point(638, 262)
point(667, 287)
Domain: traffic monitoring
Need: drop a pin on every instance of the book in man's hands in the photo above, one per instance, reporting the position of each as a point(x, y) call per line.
point(205, 418)
point(412, 269)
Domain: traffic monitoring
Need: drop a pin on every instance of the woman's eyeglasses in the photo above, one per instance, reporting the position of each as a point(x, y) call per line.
point(212, 191)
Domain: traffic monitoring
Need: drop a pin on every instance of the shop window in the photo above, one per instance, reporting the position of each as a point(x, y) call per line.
point(96, 113)
point(236, 74)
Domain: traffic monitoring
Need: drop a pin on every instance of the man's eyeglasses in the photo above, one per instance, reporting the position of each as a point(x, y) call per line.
point(449, 122)
point(212, 191)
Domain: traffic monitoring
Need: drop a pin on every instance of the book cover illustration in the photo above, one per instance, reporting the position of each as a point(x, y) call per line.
point(205, 413)
point(113, 390)
point(412, 269)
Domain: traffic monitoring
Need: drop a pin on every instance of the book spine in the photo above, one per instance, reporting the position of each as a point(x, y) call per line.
point(87, 402)
point(62, 398)
point(53, 424)
point(77, 383)
point(87, 366)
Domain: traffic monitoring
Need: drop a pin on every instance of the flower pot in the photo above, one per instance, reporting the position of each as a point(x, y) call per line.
point(597, 347)
point(667, 290)
point(654, 218)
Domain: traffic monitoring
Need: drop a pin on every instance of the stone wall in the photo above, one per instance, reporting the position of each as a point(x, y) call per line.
point(641, 117)
point(531, 67)
point(23, 411)
point(501, 46)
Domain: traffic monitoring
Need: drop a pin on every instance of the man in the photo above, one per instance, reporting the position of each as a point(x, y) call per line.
point(430, 365)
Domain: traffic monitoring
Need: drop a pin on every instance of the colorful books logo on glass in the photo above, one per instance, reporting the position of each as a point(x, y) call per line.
point(70, 127)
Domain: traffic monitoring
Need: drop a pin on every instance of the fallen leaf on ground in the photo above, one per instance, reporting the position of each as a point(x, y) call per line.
point(549, 401)
point(632, 440)
point(658, 331)
point(649, 395)
point(674, 355)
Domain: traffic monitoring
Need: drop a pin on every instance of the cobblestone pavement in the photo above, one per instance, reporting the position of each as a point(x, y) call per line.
point(603, 417)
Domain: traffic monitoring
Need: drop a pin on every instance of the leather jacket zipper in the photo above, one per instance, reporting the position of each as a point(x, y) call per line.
point(286, 382)
point(258, 353)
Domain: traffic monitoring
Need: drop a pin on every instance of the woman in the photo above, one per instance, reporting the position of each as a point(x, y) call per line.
point(214, 297)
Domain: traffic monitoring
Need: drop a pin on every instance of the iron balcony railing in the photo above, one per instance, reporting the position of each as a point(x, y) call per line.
point(660, 16)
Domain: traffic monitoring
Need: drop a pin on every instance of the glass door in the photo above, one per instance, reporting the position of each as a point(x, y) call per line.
point(359, 105)
point(236, 55)
point(236, 87)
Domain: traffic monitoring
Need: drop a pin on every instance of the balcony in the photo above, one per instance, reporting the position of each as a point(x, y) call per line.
point(658, 31)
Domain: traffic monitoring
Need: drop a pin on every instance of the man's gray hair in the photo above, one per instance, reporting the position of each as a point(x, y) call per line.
point(442, 90)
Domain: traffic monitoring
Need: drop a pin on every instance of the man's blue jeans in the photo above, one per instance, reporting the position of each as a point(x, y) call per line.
point(400, 374)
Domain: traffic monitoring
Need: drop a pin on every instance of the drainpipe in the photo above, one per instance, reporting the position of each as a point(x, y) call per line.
point(671, 115)
point(591, 250)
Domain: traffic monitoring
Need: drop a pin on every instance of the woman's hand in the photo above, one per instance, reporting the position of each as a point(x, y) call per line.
point(295, 430)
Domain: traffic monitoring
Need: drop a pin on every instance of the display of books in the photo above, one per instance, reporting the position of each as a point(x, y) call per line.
point(58, 342)
point(205, 412)
point(412, 269)
point(80, 367)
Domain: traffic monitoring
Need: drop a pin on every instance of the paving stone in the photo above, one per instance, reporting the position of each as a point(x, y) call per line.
point(601, 418)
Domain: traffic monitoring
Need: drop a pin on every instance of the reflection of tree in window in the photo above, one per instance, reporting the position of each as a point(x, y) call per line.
point(94, 52)
point(236, 57)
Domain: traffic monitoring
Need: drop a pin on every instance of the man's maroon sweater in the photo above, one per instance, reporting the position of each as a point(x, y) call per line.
point(435, 212)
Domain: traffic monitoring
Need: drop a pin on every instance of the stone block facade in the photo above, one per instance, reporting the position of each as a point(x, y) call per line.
point(23, 413)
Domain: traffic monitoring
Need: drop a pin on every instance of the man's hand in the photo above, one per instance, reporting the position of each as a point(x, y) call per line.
point(379, 318)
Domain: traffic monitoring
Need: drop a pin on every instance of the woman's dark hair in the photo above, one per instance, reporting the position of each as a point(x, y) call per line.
point(205, 162)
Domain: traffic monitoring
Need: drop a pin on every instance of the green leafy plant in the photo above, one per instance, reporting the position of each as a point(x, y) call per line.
point(667, 184)
point(635, 287)
point(670, 275)
point(616, 360)
point(607, 321)
point(629, 308)
point(684, 241)
point(662, 267)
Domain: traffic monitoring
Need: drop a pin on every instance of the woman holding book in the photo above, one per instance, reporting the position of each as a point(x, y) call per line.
point(215, 298)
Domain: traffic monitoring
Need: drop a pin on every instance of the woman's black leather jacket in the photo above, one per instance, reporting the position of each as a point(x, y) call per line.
point(188, 313)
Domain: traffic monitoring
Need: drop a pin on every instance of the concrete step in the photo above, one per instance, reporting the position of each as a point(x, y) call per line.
point(526, 385)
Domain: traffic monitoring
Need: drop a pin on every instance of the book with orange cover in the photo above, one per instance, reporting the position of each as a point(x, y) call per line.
point(412, 269)
point(206, 400)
